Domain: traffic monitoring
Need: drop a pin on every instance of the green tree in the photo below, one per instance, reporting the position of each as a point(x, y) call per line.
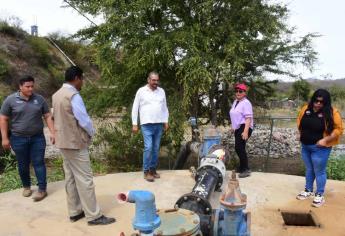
point(194, 45)
point(337, 93)
point(199, 48)
point(300, 90)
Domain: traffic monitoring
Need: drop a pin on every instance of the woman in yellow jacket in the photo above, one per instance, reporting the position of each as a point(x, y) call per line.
point(320, 128)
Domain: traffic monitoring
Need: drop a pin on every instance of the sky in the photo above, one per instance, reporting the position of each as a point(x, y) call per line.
point(319, 16)
point(325, 18)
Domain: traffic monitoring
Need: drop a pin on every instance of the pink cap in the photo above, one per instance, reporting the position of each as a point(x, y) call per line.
point(241, 86)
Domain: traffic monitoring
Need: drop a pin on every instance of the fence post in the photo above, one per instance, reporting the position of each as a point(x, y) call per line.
point(269, 144)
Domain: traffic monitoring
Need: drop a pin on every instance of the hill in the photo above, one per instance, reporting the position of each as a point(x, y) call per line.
point(283, 87)
point(318, 83)
point(22, 54)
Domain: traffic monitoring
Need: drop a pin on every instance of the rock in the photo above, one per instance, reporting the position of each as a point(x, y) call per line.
point(283, 142)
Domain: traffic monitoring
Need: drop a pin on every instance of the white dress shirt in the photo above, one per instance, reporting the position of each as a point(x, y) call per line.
point(151, 106)
point(79, 111)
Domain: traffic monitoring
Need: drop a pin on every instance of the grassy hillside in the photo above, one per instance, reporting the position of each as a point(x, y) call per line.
point(22, 54)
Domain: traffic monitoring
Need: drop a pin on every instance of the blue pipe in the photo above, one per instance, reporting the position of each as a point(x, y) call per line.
point(234, 223)
point(146, 219)
point(230, 223)
point(209, 141)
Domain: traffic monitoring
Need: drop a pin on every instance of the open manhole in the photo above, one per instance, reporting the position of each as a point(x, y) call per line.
point(300, 219)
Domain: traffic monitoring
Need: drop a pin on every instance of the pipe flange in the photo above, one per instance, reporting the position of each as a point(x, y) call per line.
point(178, 222)
point(216, 165)
point(211, 160)
point(198, 204)
point(215, 147)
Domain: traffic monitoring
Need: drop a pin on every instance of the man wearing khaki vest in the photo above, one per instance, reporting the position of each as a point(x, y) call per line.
point(74, 130)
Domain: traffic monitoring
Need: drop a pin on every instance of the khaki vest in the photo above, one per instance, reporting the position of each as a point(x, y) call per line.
point(68, 133)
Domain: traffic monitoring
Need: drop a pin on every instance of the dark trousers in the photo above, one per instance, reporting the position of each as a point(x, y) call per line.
point(30, 149)
point(240, 148)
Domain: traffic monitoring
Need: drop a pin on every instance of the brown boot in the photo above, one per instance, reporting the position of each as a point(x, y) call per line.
point(40, 195)
point(27, 192)
point(155, 174)
point(148, 176)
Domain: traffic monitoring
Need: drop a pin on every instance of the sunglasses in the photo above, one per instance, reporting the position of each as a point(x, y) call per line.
point(239, 91)
point(319, 101)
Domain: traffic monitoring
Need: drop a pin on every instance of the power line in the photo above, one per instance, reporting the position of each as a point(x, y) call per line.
point(82, 14)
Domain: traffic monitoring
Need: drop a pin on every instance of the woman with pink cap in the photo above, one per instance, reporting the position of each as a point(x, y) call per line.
point(241, 116)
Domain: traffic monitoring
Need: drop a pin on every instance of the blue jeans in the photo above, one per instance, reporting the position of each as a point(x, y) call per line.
point(152, 134)
point(315, 159)
point(30, 149)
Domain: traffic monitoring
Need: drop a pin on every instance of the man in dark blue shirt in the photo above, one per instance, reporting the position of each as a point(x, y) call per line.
point(24, 111)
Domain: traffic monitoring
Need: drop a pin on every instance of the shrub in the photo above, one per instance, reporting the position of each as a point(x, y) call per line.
point(7, 29)
point(57, 75)
point(84, 55)
point(9, 179)
point(3, 68)
point(336, 168)
point(14, 31)
point(55, 169)
point(40, 46)
point(123, 150)
point(7, 161)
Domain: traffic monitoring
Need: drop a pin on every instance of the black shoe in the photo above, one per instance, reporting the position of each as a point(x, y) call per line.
point(77, 217)
point(238, 170)
point(103, 220)
point(244, 174)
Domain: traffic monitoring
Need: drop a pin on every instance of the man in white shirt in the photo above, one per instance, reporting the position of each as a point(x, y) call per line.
point(74, 129)
point(150, 103)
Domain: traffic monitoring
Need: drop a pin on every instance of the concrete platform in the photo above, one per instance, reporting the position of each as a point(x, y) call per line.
point(266, 194)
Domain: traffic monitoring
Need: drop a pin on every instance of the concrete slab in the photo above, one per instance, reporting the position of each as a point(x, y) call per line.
point(266, 194)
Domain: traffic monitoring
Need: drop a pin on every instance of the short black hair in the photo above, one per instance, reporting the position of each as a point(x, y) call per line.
point(72, 72)
point(26, 78)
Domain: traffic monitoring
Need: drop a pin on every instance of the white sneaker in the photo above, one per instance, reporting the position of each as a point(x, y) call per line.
point(304, 195)
point(318, 201)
